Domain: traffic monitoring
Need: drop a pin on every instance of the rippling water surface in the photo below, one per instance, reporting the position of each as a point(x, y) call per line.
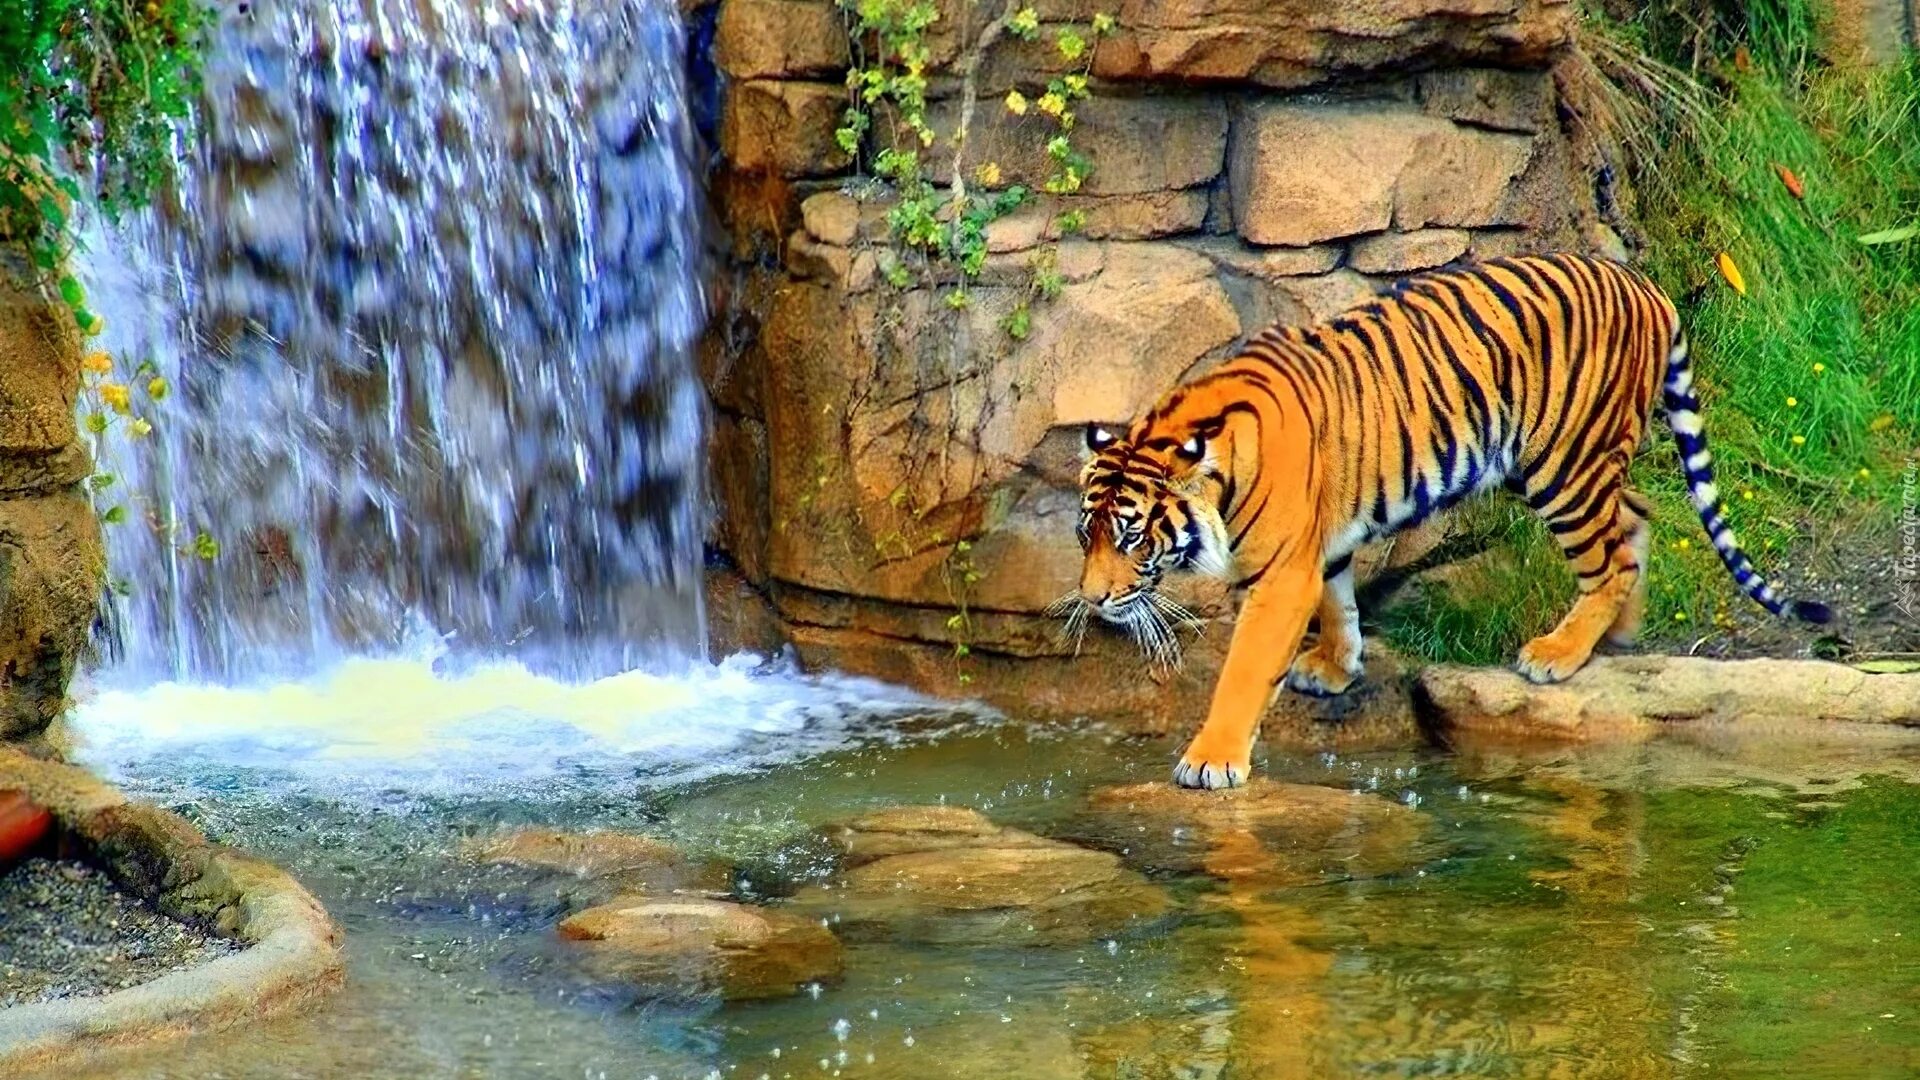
point(1728, 906)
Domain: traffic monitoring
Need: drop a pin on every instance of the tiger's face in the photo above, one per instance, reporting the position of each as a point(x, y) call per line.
point(1145, 512)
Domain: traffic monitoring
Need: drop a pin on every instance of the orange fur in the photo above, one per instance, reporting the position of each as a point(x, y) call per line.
point(1538, 373)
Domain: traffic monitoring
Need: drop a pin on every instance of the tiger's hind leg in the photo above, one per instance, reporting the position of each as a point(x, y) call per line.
point(1598, 536)
point(1635, 514)
point(1332, 665)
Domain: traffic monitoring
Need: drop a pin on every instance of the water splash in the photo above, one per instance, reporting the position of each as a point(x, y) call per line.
point(426, 298)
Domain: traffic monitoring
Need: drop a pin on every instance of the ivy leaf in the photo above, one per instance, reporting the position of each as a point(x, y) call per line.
point(1888, 667)
point(72, 292)
point(114, 515)
point(205, 547)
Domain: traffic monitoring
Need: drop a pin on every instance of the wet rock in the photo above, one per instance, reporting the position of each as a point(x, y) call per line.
point(936, 873)
point(624, 861)
point(784, 128)
point(704, 946)
point(780, 38)
point(904, 830)
point(1635, 697)
point(1294, 834)
point(1033, 894)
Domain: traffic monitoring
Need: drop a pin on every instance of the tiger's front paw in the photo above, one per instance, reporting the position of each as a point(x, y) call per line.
point(1206, 766)
point(1321, 674)
point(1548, 659)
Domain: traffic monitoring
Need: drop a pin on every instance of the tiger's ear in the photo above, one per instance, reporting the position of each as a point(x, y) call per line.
point(1099, 438)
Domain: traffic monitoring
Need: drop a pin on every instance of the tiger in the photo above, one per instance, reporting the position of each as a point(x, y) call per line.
point(1535, 373)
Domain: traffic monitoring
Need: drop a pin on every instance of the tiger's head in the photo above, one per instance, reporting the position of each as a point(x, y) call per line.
point(1147, 508)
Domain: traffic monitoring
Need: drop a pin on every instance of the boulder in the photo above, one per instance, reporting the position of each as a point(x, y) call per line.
point(1292, 834)
point(1037, 893)
point(1135, 145)
point(902, 830)
point(784, 128)
point(1635, 697)
point(633, 863)
point(51, 572)
point(1268, 264)
point(1295, 43)
point(696, 946)
point(1303, 174)
point(1514, 101)
point(768, 39)
point(1408, 252)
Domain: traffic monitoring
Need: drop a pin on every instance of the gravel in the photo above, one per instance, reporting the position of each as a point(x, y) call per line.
point(67, 931)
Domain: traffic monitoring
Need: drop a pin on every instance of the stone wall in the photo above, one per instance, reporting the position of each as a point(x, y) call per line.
point(895, 480)
point(51, 564)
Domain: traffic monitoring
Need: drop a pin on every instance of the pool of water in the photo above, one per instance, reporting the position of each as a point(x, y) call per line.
point(1719, 906)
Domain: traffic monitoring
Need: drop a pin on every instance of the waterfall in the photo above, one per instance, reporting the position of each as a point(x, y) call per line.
point(426, 296)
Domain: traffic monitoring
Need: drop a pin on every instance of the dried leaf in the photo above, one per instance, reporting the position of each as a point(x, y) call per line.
point(1742, 60)
point(1791, 181)
point(1731, 272)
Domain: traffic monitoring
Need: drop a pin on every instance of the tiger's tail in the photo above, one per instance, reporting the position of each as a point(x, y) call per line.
point(1683, 413)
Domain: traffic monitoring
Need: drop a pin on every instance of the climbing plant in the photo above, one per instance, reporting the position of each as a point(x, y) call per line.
point(939, 215)
point(94, 96)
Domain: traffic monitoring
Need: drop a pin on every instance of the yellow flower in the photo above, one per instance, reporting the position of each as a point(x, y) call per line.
point(1866, 474)
point(1793, 402)
point(1684, 544)
point(116, 395)
point(98, 362)
point(1819, 368)
point(1799, 440)
point(1052, 104)
point(988, 173)
point(1679, 616)
point(140, 429)
point(1016, 103)
point(1747, 494)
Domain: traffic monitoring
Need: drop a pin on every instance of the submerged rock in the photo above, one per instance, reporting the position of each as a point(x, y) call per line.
point(901, 830)
point(1291, 833)
point(936, 873)
point(704, 946)
point(628, 862)
point(1635, 697)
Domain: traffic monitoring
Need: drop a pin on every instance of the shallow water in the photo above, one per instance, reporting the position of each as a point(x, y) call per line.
point(1726, 906)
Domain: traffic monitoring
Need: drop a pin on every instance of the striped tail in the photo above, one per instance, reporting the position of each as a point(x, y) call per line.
point(1683, 413)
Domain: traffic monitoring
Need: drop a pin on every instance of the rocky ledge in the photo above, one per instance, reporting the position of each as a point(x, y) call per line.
point(289, 949)
point(703, 946)
point(1637, 697)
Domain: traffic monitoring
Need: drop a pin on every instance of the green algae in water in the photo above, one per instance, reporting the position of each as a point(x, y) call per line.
point(1665, 911)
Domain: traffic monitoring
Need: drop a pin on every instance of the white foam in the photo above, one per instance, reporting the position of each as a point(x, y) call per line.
point(400, 724)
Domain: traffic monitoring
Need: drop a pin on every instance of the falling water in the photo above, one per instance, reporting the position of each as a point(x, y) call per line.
point(425, 298)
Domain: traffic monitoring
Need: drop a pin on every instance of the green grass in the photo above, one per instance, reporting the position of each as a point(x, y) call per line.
point(1810, 381)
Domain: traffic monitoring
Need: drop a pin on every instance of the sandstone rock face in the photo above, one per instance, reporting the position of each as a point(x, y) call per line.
point(704, 946)
point(1296, 43)
point(1305, 174)
point(1294, 834)
point(898, 469)
point(1634, 697)
point(783, 127)
point(51, 563)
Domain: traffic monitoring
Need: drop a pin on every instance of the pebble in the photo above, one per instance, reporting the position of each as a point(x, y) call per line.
point(70, 932)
